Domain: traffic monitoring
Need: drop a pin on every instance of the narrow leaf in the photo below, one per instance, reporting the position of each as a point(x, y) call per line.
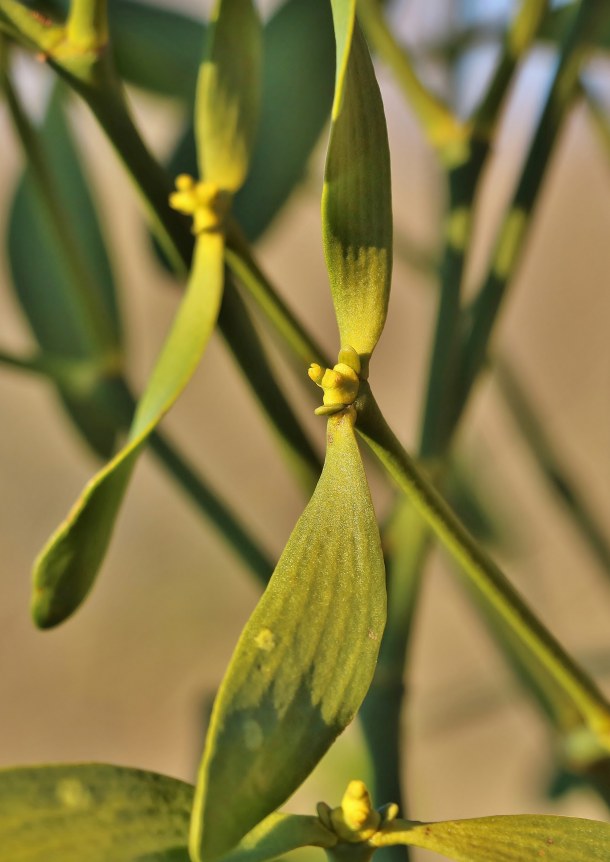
point(304, 661)
point(297, 88)
point(92, 813)
point(356, 201)
point(228, 94)
point(65, 570)
point(517, 838)
point(297, 92)
point(279, 834)
point(44, 272)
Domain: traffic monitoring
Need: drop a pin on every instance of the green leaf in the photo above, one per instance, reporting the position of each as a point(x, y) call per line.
point(92, 813)
point(512, 838)
point(298, 78)
point(356, 201)
point(66, 568)
point(228, 94)
point(304, 661)
point(156, 49)
point(141, 31)
point(44, 273)
point(279, 834)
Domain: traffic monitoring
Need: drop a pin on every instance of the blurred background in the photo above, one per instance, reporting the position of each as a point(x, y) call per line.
point(130, 677)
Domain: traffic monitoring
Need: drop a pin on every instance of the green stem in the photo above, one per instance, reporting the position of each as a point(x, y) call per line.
point(482, 571)
point(240, 334)
point(481, 316)
point(99, 87)
point(29, 28)
point(87, 24)
point(208, 501)
point(528, 422)
point(243, 266)
point(441, 127)
point(88, 307)
point(462, 182)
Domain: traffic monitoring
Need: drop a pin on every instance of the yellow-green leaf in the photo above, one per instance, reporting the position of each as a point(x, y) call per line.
point(356, 201)
point(517, 838)
point(92, 813)
point(66, 568)
point(304, 661)
point(228, 94)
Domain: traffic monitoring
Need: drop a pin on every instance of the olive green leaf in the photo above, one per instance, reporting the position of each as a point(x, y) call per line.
point(61, 290)
point(92, 813)
point(278, 834)
point(67, 566)
point(228, 94)
point(511, 838)
point(356, 200)
point(304, 661)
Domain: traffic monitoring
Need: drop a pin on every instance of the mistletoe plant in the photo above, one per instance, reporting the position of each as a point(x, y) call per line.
point(315, 644)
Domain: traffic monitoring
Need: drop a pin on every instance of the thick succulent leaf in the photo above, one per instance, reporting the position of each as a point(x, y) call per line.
point(518, 838)
point(228, 94)
point(279, 834)
point(304, 661)
point(356, 201)
point(66, 568)
point(92, 813)
point(44, 279)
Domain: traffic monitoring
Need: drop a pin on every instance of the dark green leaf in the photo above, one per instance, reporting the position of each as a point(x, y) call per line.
point(44, 276)
point(92, 813)
point(158, 49)
point(228, 94)
point(66, 568)
point(305, 658)
point(356, 201)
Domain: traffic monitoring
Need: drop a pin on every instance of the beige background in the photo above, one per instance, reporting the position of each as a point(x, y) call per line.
point(126, 680)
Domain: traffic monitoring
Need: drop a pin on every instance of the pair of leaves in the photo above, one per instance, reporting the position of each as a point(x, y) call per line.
point(67, 566)
point(306, 657)
point(93, 813)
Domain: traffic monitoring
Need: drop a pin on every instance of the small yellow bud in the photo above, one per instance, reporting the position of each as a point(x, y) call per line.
point(184, 182)
point(205, 202)
point(340, 384)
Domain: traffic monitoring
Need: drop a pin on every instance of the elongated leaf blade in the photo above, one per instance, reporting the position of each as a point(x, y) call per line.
point(92, 813)
point(297, 92)
point(228, 94)
point(66, 568)
point(514, 838)
point(356, 201)
point(279, 834)
point(41, 281)
point(304, 661)
point(43, 277)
